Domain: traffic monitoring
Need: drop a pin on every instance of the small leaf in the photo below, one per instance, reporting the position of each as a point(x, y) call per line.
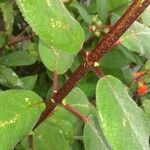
point(9, 78)
point(146, 106)
point(146, 17)
point(102, 9)
point(29, 82)
point(82, 11)
point(20, 110)
point(88, 81)
point(8, 16)
point(146, 66)
point(113, 6)
point(2, 39)
point(137, 39)
point(44, 82)
point(55, 60)
point(53, 23)
point(121, 59)
point(93, 136)
point(123, 122)
point(18, 58)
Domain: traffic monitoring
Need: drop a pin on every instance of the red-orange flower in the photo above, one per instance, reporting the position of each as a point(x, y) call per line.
point(142, 89)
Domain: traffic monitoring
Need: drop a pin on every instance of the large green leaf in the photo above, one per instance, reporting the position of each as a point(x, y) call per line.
point(54, 25)
point(9, 78)
point(137, 39)
point(18, 58)
point(93, 136)
point(123, 122)
point(55, 60)
point(20, 110)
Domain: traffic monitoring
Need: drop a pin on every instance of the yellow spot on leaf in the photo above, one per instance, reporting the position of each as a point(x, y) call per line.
point(27, 100)
point(11, 121)
point(40, 136)
point(124, 122)
point(58, 24)
point(48, 2)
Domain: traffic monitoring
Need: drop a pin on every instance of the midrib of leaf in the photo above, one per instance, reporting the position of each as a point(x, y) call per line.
point(117, 97)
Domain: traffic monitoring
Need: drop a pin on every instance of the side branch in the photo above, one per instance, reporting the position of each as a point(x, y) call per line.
point(133, 12)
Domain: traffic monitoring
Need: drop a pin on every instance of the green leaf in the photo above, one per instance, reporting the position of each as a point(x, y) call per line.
point(44, 82)
point(137, 39)
point(146, 17)
point(121, 59)
point(89, 80)
point(67, 122)
point(29, 82)
point(118, 5)
point(2, 39)
point(20, 110)
point(146, 66)
point(82, 11)
point(53, 23)
point(102, 9)
point(146, 106)
point(8, 15)
point(47, 136)
point(93, 136)
point(123, 122)
point(18, 58)
point(118, 58)
point(55, 60)
point(9, 78)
